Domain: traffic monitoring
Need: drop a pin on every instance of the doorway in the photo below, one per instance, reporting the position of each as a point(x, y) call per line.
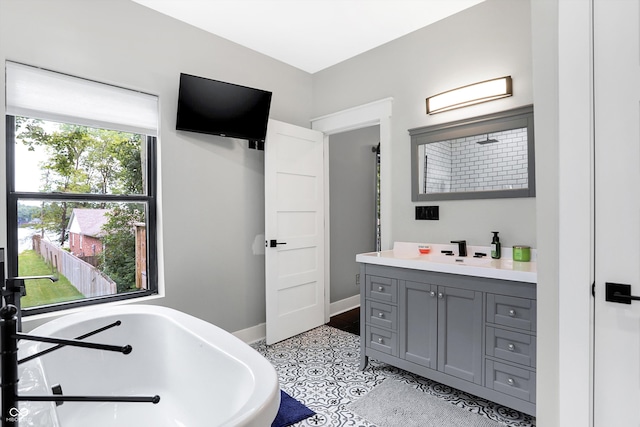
point(353, 210)
point(371, 114)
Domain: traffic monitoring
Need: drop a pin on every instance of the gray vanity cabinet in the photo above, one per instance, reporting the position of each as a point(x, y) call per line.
point(472, 333)
point(419, 323)
point(460, 333)
point(441, 328)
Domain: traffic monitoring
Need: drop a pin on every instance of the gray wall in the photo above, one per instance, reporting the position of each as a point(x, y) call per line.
point(207, 183)
point(352, 175)
point(489, 40)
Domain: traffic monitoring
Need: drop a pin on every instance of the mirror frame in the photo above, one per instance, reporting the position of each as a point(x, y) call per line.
point(496, 122)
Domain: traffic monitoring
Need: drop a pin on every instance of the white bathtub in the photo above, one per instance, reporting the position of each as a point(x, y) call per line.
point(203, 375)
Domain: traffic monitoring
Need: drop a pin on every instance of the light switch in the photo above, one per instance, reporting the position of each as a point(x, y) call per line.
point(428, 212)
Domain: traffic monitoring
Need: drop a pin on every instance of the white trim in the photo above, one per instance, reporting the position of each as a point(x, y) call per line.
point(353, 118)
point(346, 304)
point(575, 190)
point(327, 231)
point(259, 332)
point(252, 334)
point(371, 114)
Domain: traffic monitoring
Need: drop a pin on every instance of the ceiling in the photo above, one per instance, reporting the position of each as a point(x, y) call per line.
point(309, 34)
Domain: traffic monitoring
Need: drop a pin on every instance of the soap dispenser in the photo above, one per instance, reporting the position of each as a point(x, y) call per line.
point(495, 246)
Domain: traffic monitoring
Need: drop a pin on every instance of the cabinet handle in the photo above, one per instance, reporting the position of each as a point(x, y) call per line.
point(432, 293)
point(510, 381)
point(511, 347)
point(440, 295)
point(381, 315)
point(512, 313)
point(380, 288)
point(380, 340)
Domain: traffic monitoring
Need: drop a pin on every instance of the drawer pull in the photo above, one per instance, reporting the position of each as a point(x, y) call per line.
point(440, 295)
point(381, 288)
point(511, 347)
point(512, 313)
point(380, 340)
point(432, 293)
point(511, 382)
point(381, 315)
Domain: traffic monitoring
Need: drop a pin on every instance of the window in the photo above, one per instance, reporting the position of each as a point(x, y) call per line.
point(81, 203)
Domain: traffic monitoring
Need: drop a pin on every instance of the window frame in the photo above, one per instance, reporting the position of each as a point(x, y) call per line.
point(149, 199)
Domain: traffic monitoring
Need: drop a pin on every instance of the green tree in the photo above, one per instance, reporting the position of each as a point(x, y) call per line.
point(119, 255)
point(64, 171)
point(114, 162)
point(27, 213)
point(81, 160)
point(85, 160)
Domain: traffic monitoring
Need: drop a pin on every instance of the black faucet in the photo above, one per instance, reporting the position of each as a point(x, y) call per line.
point(13, 288)
point(462, 247)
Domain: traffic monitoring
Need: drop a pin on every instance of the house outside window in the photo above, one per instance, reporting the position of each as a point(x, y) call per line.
point(81, 167)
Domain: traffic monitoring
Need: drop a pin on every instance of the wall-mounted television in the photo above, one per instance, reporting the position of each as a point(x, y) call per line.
point(220, 108)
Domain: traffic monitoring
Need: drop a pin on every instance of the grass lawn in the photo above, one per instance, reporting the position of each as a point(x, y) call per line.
point(42, 292)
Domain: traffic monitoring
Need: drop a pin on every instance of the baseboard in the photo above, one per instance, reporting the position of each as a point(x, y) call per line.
point(252, 334)
point(258, 332)
point(344, 305)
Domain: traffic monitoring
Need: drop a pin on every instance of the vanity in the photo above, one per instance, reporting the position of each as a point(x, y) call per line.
point(466, 322)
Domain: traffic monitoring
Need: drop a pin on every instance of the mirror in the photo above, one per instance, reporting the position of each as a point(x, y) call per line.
point(483, 157)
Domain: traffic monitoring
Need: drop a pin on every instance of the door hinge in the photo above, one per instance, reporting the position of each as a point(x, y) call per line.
point(593, 289)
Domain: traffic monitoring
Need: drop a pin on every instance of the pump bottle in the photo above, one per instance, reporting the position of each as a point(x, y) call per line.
point(495, 246)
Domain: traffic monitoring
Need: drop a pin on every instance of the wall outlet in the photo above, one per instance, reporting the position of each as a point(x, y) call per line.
point(358, 279)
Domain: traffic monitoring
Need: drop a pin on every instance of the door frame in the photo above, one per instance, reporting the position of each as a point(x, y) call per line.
point(362, 116)
point(576, 208)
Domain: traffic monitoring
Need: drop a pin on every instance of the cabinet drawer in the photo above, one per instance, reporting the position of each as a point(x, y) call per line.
point(382, 340)
point(512, 346)
point(383, 315)
point(382, 289)
point(517, 382)
point(511, 311)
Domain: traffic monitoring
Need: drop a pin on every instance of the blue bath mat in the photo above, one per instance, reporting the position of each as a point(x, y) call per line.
point(291, 411)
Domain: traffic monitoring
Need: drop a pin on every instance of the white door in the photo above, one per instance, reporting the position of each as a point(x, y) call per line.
point(294, 230)
point(617, 216)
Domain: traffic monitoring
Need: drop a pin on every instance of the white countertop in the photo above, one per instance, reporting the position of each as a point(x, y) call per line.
point(406, 255)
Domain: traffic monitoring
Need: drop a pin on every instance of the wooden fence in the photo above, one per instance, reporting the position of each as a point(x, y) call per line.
point(89, 281)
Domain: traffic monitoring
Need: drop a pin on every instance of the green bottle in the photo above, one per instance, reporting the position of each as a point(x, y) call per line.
point(495, 246)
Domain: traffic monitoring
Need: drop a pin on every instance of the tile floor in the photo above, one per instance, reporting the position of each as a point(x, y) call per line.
point(321, 369)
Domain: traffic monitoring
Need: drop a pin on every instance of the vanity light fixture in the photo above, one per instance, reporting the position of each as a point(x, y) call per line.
point(469, 95)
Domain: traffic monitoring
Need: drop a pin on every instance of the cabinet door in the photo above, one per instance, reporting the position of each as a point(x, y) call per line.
point(419, 323)
point(460, 333)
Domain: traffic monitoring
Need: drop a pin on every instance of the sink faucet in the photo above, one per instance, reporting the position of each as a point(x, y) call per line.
point(462, 247)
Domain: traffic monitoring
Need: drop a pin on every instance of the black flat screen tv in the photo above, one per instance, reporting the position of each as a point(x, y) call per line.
point(220, 108)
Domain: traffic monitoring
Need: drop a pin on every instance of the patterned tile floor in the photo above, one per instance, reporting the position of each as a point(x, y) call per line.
point(321, 369)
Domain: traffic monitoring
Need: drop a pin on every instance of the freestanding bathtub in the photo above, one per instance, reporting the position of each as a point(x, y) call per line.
point(203, 375)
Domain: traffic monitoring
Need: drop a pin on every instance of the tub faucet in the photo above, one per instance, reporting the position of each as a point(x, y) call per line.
point(462, 247)
point(15, 285)
point(14, 288)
